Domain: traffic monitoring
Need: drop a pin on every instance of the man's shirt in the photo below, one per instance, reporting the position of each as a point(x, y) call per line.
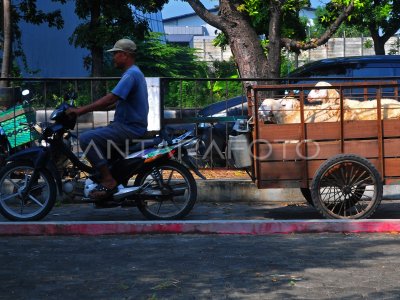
point(133, 106)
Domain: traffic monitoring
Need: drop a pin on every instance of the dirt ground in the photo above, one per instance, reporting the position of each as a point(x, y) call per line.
point(224, 174)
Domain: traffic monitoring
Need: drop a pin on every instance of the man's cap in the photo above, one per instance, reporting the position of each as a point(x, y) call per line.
point(124, 45)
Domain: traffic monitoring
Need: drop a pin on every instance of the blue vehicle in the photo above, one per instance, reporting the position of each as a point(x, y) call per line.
point(369, 67)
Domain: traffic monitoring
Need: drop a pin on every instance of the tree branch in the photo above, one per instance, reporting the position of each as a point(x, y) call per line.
point(296, 46)
point(210, 18)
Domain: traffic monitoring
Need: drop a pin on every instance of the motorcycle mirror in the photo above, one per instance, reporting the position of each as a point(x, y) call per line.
point(25, 92)
point(70, 96)
point(73, 95)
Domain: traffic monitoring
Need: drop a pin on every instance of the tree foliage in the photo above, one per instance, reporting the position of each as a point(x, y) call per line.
point(242, 22)
point(380, 18)
point(106, 21)
point(160, 59)
point(259, 13)
point(343, 30)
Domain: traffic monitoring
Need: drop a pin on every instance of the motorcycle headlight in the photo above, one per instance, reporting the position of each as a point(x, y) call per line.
point(43, 143)
point(53, 115)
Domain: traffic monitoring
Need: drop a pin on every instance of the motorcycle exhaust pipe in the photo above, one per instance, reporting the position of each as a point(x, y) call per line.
point(137, 190)
point(125, 192)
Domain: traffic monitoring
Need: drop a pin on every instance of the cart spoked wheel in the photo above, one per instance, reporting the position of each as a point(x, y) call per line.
point(347, 186)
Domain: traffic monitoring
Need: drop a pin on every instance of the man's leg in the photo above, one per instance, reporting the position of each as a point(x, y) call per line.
point(106, 178)
point(95, 144)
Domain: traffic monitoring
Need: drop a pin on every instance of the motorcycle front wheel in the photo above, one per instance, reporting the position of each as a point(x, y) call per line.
point(38, 202)
point(171, 188)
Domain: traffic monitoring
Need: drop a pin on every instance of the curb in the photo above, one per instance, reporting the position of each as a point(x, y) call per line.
point(244, 190)
point(246, 227)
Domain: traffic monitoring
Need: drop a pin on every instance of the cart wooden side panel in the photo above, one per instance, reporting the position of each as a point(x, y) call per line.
point(288, 155)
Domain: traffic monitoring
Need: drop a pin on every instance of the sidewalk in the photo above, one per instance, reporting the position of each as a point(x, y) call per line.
point(206, 218)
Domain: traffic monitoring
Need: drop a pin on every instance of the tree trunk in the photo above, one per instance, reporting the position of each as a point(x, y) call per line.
point(274, 34)
point(380, 41)
point(95, 50)
point(246, 48)
point(245, 43)
point(243, 39)
point(379, 47)
point(6, 63)
point(97, 61)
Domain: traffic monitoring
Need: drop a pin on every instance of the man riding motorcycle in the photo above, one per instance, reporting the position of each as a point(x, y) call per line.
point(130, 121)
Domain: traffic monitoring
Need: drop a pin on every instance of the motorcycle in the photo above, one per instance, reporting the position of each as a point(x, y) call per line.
point(155, 176)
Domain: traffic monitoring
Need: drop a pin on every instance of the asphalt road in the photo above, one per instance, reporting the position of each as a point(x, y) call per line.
point(303, 266)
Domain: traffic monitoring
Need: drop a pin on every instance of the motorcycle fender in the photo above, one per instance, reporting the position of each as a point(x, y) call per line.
point(31, 154)
point(51, 166)
point(39, 158)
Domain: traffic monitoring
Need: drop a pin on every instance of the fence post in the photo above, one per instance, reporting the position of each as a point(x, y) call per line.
point(362, 44)
point(398, 44)
point(204, 49)
point(45, 100)
point(344, 43)
point(327, 49)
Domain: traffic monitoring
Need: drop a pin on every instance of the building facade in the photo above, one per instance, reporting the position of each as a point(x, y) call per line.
point(48, 52)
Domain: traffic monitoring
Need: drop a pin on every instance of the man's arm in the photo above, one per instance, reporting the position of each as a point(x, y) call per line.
point(112, 106)
point(103, 103)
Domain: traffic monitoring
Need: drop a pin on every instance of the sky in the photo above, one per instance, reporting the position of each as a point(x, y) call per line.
point(175, 7)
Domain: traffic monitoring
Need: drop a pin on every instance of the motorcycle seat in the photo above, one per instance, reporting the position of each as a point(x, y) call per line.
point(151, 139)
point(144, 144)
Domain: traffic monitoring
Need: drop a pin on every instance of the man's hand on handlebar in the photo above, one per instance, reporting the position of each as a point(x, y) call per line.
point(73, 111)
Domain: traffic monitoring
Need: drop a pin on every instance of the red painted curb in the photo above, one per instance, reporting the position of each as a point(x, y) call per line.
point(256, 227)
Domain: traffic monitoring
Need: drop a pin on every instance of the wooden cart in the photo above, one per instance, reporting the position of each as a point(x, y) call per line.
point(341, 166)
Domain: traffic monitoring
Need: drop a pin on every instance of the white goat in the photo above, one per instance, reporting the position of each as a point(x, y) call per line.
point(287, 110)
point(354, 109)
point(277, 108)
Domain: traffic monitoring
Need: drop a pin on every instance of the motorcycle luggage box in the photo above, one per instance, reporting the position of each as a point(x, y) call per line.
point(10, 121)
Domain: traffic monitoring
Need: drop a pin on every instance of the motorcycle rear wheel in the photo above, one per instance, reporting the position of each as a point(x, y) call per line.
point(177, 196)
point(40, 200)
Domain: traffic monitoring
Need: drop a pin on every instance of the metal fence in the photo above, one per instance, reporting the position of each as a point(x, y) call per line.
point(208, 106)
point(201, 105)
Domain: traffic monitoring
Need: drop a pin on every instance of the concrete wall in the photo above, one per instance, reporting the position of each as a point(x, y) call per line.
point(99, 118)
point(336, 47)
point(207, 51)
point(340, 47)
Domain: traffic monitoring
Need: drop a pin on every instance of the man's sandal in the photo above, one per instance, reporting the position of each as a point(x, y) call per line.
point(100, 192)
